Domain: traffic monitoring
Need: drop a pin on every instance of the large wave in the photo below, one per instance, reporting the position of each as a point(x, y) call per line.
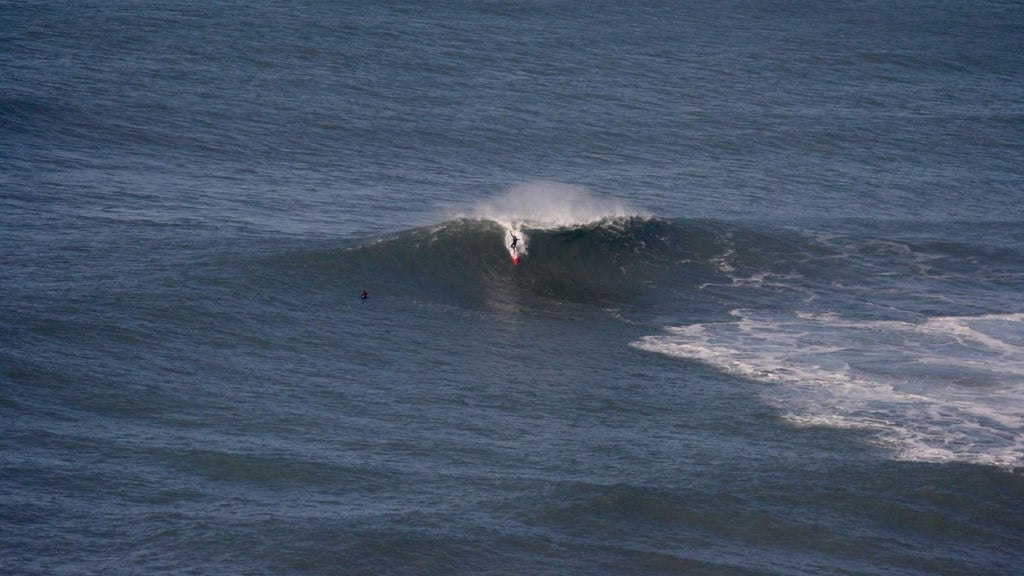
point(609, 261)
point(575, 247)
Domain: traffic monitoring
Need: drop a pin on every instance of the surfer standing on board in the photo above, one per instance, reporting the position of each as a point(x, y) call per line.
point(514, 240)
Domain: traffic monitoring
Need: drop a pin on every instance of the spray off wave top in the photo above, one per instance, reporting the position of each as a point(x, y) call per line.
point(548, 205)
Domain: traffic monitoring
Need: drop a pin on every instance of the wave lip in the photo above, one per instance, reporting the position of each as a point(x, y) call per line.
point(946, 389)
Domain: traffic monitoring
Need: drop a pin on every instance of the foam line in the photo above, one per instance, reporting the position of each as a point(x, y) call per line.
point(946, 389)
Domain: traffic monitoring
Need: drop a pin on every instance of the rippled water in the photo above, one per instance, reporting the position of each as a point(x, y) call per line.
point(766, 317)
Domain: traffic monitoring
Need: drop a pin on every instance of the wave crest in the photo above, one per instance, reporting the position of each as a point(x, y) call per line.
point(549, 205)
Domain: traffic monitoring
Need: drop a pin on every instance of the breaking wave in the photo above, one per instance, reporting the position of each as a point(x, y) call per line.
point(618, 260)
point(911, 340)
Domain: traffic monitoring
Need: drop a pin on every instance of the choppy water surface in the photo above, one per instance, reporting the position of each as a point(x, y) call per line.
point(766, 317)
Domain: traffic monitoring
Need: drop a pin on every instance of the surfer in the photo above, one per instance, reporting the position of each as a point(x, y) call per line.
point(514, 240)
point(364, 295)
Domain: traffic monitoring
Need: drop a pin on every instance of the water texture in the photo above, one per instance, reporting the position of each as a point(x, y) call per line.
point(766, 317)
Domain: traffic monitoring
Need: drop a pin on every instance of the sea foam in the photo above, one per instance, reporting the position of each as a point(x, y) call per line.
point(945, 389)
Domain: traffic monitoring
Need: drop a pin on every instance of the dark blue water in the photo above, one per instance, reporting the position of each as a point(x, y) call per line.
point(767, 315)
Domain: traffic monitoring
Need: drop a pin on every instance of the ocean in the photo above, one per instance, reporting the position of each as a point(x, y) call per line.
point(766, 317)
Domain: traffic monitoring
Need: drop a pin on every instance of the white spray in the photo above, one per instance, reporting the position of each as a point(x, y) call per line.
point(546, 205)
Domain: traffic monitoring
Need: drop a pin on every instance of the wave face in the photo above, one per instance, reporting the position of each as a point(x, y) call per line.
point(617, 261)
